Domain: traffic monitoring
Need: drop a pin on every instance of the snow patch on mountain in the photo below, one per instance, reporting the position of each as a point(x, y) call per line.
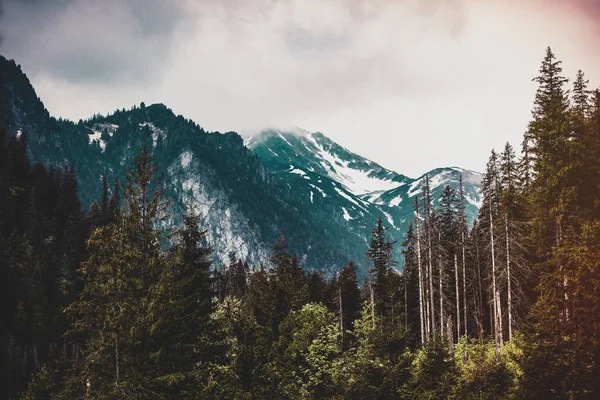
point(415, 188)
point(396, 201)
point(356, 181)
point(297, 171)
point(439, 179)
point(347, 197)
point(347, 216)
point(185, 159)
point(97, 131)
point(156, 132)
point(477, 202)
point(228, 228)
point(318, 189)
point(389, 218)
point(96, 135)
point(284, 139)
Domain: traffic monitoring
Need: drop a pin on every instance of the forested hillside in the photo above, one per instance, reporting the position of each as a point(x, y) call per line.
point(244, 197)
point(338, 185)
point(116, 303)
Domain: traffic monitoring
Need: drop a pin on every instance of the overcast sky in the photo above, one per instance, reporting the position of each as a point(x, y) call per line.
point(411, 84)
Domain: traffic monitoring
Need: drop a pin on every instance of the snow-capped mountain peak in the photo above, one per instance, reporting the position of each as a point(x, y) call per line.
point(317, 153)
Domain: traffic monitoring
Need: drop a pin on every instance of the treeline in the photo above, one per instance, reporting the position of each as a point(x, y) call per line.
point(115, 304)
point(42, 243)
point(525, 278)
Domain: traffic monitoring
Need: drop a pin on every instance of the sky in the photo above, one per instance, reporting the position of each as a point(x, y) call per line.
point(410, 84)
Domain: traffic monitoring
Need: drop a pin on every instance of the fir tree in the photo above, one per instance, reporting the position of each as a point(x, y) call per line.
point(183, 332)
point(380, 253)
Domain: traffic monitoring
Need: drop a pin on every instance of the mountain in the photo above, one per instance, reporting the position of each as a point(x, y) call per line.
point(340, 184)
point(324, 197)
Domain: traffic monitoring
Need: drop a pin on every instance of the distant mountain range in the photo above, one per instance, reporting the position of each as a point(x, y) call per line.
point(323, 196)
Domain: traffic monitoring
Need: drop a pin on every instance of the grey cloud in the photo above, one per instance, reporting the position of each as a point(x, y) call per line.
point(90, 41)
point(129, 41)
point(436, 70)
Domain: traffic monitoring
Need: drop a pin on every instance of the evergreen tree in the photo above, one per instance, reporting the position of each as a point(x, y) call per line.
point(107, 314)
point(114, 204)
point(183, 332)
point(380, 253)
point(104, 204)
point(145, 212)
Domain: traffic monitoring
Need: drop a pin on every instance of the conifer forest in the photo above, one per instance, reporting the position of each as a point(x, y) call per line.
point(127, 298)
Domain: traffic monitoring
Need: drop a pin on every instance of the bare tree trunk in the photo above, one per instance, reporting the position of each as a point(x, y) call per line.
point(421, 295)
point(441, 271)
point(432, 314)
point(480, 291)
point(457, 299)
point(464, 281)
point(565, 284)
point(508, 279)
point(428, 228)
point(116, 358)
point(427, 306)
point(405, 303)
point(463, 229)
point(372, 298)
point(449, 332)
point(494, 290)
point(341, 308)
point(117, 309)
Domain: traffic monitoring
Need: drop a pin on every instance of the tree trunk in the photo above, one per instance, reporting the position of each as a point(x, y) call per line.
point(457, 299)
point(508, 279)
point(405, 303)
point(494, 289)
point(428, 228)
point(372, 297)
point(116, 358)
point(464, 281)
point(441, 271)
point(421, 294)
point(430, 262)
point(427, 306)
point(480, 293)
point(341, 309)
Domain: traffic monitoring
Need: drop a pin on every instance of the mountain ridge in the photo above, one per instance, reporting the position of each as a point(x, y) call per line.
point(321, 194)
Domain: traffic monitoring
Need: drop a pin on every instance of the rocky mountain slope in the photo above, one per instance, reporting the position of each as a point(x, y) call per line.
point(339, 184)
point(323, 196)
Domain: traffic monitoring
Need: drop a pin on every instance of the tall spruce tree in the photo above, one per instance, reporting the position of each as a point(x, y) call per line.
point(185, 336)
point(380, 254)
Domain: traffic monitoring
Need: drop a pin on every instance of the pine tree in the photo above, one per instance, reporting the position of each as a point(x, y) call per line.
point(489, 213)
point(107, 314)
point(507, 170)
point(186, 337)
point(559, 231)
point(145, 212)
point(349, 297)
point(289, 281)
point(104, 203)
point(114, 204)
point(379, 253)
point(448, 246)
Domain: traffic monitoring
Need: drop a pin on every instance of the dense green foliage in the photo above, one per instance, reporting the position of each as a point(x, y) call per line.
point(113, 303)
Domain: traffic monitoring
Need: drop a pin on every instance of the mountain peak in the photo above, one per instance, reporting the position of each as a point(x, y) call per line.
point(317, 153)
